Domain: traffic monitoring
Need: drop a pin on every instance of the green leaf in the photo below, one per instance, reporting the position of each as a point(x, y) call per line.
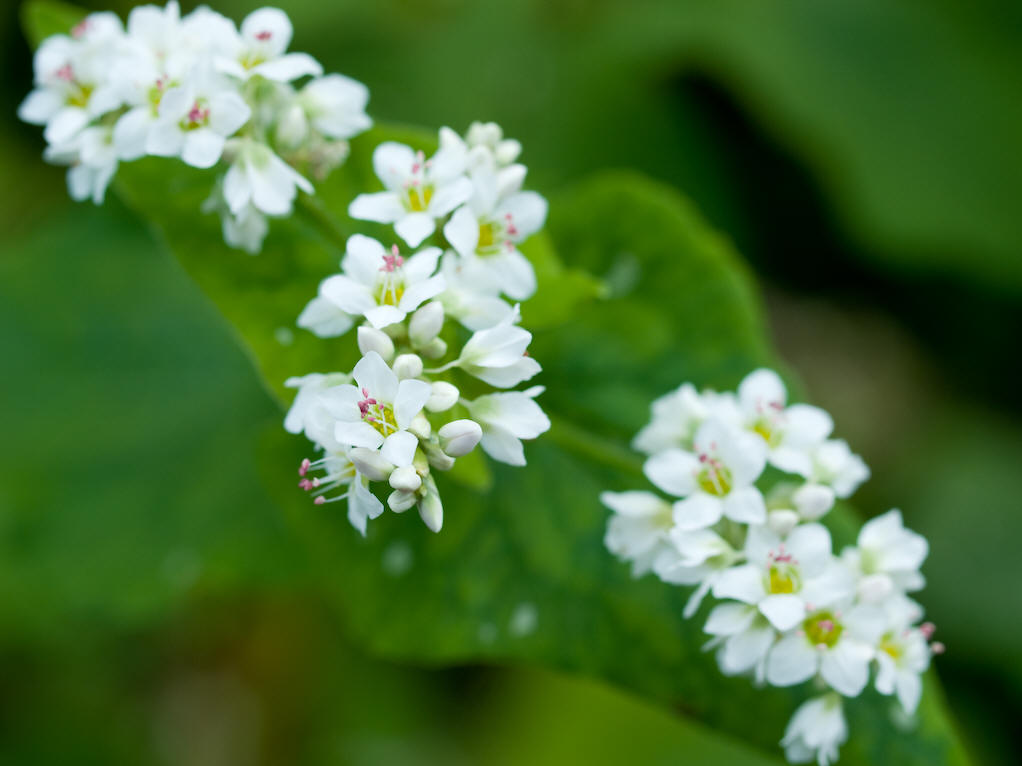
point(43, 19)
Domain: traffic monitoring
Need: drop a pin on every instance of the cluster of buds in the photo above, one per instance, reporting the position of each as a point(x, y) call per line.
point(426, 390)
point(203, 90)
point(750, 477)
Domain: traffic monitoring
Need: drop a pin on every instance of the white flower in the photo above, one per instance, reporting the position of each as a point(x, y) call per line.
point(377, 411)
point(72, 84)
point(903, 653)
point(789, 432)
point(382, 286)
point(715, 480)
point(785, 579)
point(637, 532)
point(260, 49)
point(335, 106)
point(310, 412)
point(506, 419)
point(678, 415)
point(838, 645)
point(498, 355)
point(816, 731)
point(835, 465)
point(471, 295)
point(459, 437)
point(697, 557)
point(259, 177)
point(418, 191)
point(93, 160)
point(196, 118)
point(742, 637)
point(496, 218)
point(887, 549)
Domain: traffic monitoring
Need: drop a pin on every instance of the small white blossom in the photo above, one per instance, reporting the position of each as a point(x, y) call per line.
point(419, 191)
point(638, 530)
point(887, 549)
point(507, 419)
point(903, 653)
point(260, 178)
point(835, 465)
point(742, 637)
point(717, 479)
point(498, 355)
point(816, 731)
point(261, 49)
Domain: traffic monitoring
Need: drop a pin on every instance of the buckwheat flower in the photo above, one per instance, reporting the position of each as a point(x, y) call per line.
point(377, 411)
point(715, 480)
point(887, 549)
point(698, 557)
point(816, 731)
point(260, 178)
point(498, 355)
point(742, 637)
point(72, 85)
point(786, 578)
point(676, 417)
point(196, 118)
point(491, 225)
point(338, 471)
point(903, 653)
point(335, 106)
point(637, 531)
point(310, 412)
point(419, 191)
point(789, 432)
point(92, 157)
point(382, 285)
point(837, 644)
point(260, 49)
point(836, 466)
point(471, 296)
point(507, 419)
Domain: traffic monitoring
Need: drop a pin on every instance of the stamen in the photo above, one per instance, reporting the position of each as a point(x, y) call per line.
point(937, 647)
point(264, 35)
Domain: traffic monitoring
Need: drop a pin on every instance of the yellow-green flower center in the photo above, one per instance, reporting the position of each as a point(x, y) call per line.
point(823, 629)
point(715, 479)
point(783, 578)
point(419, 197)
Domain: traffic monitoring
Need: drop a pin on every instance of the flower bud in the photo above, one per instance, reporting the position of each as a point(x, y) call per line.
point(507, 151)
point(370, 463)
point(405, 478)
point(782, 521)
point(459, 437)
point(430, 508)
point(487, 133)
point(371, 339)
point(425, 323)
point(420, 426)
point(293, 127)
point(443, 397)
point(435, 349)
point(407, 366)
point(400, 501)
point(813, 500)
point(437, 457)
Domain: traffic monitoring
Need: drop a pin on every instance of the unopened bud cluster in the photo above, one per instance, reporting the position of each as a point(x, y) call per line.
point(750, 477)
point(440, 342)
point(203, 90)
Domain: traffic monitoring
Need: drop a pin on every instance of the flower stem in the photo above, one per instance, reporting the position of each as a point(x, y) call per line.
point(316, 212)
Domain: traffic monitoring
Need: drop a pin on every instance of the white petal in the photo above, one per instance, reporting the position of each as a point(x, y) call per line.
point(289, 67)
point(418, 292)
point(846, 667)
point(349, 295)
point(728, 619)
point(422, 265)
point(399, 448)
point(742, 583)
point(811, 547)
point(673, 471)
point(363, 258)
point(383, 316)
point(202, 148)
point(515, 273)
point(462, 231)
point(634, 503)
point(762, 390)
point(237, 191)
point(130, 133)
point(413, 228)
point(745, 650)
point(745, 505)
point(910, 689)
point(362, 505)
point(784, 610)
point(392, 163)
point(503, 446)
point(227, 112)
point(528, 212)
point(791, 661)
point(323, 318)
point(356, 433)
point(697, 511)
point(450, 196)
point(63, 126)
point(412, 396)
point(381, 207)
point(39, 106)
point(372, 374)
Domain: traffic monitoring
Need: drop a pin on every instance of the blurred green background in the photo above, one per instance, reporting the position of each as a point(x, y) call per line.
point(865, 157)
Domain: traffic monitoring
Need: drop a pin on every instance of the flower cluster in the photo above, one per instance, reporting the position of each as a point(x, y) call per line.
point(394, 419)
point(750, 477)
point(203, 90)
